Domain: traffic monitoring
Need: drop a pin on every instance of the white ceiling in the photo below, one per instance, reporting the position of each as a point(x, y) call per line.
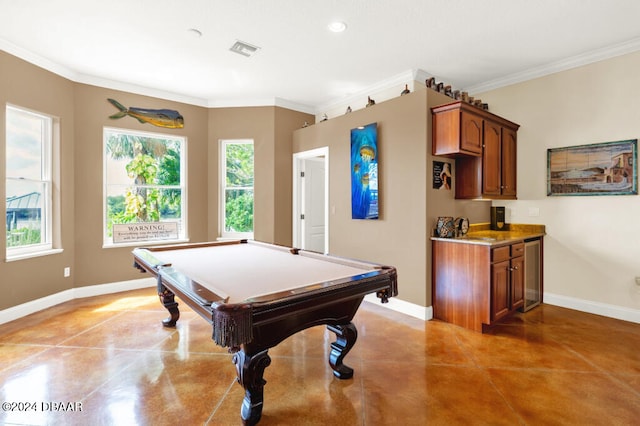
point(145, 46)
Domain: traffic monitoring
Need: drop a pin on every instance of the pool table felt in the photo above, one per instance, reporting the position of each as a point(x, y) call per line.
point(240, 272)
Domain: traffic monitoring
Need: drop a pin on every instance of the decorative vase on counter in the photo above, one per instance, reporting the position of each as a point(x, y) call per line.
point(445, 228)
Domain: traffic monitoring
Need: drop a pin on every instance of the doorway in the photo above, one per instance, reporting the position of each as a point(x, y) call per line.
point(311, 200)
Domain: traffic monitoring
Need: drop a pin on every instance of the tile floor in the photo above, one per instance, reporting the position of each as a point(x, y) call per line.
point(110, 356)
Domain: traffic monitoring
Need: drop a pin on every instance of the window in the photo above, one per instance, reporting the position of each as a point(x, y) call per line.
point(236, 194)
point(144, 194)
point(29, 141)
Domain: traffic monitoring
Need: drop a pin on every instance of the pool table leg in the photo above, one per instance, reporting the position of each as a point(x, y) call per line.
point(168, 299)
point(250, 369)
point(346, 338)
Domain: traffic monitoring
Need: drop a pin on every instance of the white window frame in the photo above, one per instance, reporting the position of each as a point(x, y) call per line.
point(183, 226)
point(49, 146)
point(223, 189)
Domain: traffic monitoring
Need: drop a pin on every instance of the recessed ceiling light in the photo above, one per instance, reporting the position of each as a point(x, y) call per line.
point(195, 32)
point(337, 26)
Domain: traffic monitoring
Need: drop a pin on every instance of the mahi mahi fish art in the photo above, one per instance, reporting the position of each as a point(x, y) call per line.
point(158, 117)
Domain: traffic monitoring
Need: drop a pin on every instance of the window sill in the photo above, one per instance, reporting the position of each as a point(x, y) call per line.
point(22, 256)
point(235, 237)
point(144, 243)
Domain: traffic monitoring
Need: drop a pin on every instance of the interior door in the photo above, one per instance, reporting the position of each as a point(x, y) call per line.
point(313, 205)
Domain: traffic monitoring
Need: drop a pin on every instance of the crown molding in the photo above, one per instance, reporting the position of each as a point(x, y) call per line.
point(284, 103)
point(67, 73)
point(416, 75)
point(37, 60)
point(259, 102)
point(421, 75)
point(353, 98)
point(602, 54)
point(139, 90)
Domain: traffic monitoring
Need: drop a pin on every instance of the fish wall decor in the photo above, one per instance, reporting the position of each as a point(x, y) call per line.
point(158, 117)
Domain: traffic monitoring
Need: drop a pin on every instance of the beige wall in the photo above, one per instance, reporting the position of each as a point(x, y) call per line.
point(398, 237)
point(30, 87)
point(83, 112)
point(93, 263)
point(271, 130)
point(244, 123)
point(286, 122)
point(409, 205)
point(592, 246)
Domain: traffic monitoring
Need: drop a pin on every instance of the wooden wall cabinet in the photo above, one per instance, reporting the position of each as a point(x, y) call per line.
point(476, 285)
point(458, 130)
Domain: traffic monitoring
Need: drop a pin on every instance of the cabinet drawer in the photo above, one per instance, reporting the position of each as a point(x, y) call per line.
point(517, 249)
point(499, 254)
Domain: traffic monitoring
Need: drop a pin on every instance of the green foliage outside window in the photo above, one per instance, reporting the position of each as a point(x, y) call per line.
point(23, 236)
point(142, 203)
point(239, 187)
point(239, 211)
point(154, 167)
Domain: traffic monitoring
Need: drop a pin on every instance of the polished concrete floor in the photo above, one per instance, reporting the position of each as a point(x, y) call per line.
point(107, 361)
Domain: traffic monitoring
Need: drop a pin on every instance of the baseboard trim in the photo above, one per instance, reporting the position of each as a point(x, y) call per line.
point(19, 311)
point(611, 311)
point(421, 312)
point(16, 312)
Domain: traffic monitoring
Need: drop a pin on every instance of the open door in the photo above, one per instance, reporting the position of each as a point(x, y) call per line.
point(310, 200)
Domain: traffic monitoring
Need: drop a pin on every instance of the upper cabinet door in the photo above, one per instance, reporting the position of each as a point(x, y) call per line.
point(509, 161)
point(471, 133)
point(491, 159)
point(457, 130)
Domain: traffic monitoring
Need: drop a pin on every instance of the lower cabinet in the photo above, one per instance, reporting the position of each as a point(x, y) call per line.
point(476, 285)
point(507, 280)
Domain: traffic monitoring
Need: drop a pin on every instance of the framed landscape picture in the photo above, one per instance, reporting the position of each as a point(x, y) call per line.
point(608, 168)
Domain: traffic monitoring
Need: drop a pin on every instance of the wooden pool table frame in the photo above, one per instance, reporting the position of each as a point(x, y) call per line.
point(250, 328)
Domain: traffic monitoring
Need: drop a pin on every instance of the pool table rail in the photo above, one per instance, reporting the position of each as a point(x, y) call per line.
point(234, 324)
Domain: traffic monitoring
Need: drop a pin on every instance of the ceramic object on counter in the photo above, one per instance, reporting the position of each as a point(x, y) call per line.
point(445, 227)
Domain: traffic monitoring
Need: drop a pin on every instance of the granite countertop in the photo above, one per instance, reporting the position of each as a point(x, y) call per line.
point(481, 233)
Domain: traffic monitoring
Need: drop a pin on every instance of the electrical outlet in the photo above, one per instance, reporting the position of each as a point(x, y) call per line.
point(67, 272)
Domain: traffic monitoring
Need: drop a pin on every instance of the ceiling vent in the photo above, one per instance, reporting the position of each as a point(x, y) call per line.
point(244, 49)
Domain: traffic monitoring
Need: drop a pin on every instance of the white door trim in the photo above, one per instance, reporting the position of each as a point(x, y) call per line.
point(298, 157)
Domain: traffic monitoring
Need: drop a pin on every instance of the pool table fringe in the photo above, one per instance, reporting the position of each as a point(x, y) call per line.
point(232, 325)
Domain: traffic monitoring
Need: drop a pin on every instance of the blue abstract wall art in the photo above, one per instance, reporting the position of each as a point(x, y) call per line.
point(364, 172)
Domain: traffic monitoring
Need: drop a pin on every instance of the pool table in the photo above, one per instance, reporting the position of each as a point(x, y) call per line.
point(255, 295)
